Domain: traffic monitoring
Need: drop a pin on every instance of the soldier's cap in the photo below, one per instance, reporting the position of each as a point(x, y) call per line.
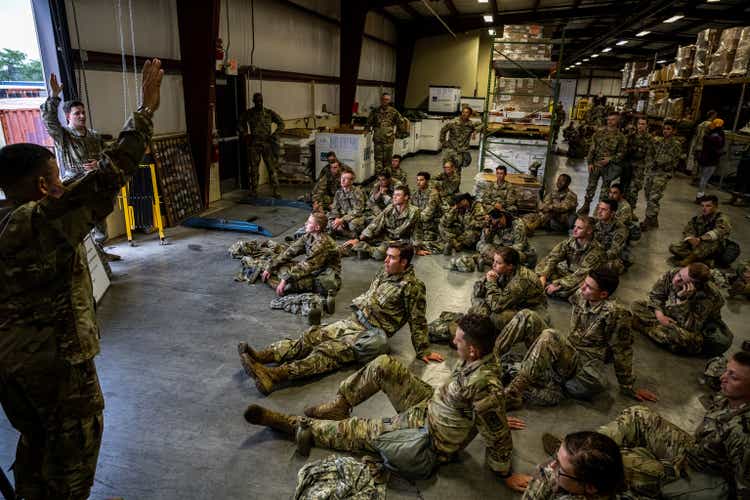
point(458, 198)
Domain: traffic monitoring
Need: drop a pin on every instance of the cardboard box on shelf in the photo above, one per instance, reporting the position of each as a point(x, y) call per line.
point(723, 58)
point(684, 61)
point(742, 56)
point(705, 45)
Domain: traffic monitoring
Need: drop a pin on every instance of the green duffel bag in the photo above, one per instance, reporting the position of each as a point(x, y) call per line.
point(409, 452)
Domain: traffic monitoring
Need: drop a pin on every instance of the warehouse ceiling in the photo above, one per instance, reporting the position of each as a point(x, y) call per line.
point(589, 26)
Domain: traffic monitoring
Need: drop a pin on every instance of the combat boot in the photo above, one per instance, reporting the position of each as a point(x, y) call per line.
point(266, 378)
point(315, 316)
point(338, 409)
point(551, 444)
point(257, 415)
point(264, 356)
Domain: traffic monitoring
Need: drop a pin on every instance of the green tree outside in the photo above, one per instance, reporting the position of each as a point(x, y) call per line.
point(16, 67)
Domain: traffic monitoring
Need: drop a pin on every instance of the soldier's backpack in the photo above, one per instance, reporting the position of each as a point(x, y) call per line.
point(409, 452)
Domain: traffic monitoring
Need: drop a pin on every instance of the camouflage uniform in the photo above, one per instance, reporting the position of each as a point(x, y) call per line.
point(662, 460)
point(504, 193)
point(389, 225)
point(500, 300)
point(613, 238)
point(389, 303)
point(667, 152)
point(574, 364)
point(698, 327)
point(544, 487)
point(713, 232)
point(262, 143)
point(640, 155)
point(596, 116)
point(513, 236)
point(398, 177)
point(48, 382)
point(381, 121)
point(610, 144)
point(458, 133)
point(470, 402)
point(325, 189)
point(739, 282)
point(624, 213)
point(555, 212)
point(377, 202)
point(462, 231)
point(337, 477)
point(350, 207)
point(426, 234)
point(448, 186)
point(568, 264)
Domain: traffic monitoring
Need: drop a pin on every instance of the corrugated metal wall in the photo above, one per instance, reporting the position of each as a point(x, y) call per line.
point(24, 125)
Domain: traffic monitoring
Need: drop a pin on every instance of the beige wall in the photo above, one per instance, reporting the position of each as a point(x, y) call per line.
point(483, 65)
point(444, 60)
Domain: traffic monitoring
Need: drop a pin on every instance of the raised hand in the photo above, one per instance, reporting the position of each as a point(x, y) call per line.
point(54, 85)
point(151, 87)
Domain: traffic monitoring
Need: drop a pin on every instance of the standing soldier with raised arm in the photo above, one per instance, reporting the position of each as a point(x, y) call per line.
point(382, 121)
point(455, 137)
point(255, 125)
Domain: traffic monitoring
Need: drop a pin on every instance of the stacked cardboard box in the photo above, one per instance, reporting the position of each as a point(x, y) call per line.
point(723, 58)
point(684, 61)
point(742, 56)
point(296, 163)
point(523, 47)
point(705, 45)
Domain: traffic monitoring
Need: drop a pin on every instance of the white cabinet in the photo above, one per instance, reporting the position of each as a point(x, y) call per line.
point(355, 150)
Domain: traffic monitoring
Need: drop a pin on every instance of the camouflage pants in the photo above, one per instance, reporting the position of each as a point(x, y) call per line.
point(705, 250)
point(320, 349)
point(459, 158)
point(382, 154)
point(428, 238)
point(459, 238)
point(556, 222)
point(525, 326)
point(325, 282)
point(652, 450)
point(656, 184)
point(559, 272)
point(443, 329)
point(350, 229)
point(408, 394)
point(376, 249)
point(57, 408)
point(528, 257)
point(607, 175)
point(255, 152)
point(636, 184)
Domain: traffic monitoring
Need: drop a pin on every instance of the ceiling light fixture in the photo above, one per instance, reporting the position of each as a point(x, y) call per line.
point(674, 18)
point(606, 49)
point(642, 33)
point(586, 60)
point(491, 31)
point(594, 56)
point(661, 61)
point(578, 63)
point(712, 1)
point(484, 1)
point(621, 42)
point(487, 18)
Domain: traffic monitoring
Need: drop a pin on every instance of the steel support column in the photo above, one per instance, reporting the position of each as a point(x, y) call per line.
point(404, 55)
point(353, 16)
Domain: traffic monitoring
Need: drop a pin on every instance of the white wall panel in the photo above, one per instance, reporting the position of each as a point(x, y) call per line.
point(154, 26)
point(369, 97)
point(380, 27)
point(378, 62)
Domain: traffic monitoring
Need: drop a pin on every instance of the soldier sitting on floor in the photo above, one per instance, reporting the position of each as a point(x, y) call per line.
point(381, 194)
point(427, 199)
point(624, 213)
point(557, 364)
point(557, 212)
point(704, 236)
point(506, 289)
point(739, 283)
point(683, 312)
point(347, 215)
point(325, 187)
point(395, 297)
point(449, 180)
point(432, 425)
point(398, 176)
point(563, 270)
point(396, 222)
point(501, 195)
point(461, 226)
point(611, 235)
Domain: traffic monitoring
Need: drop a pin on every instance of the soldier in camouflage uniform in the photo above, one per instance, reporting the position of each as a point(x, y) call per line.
point(557, 211)
point(640, 154)
point(327, 184)
point(427, 199)
point(624, 214)
point(395, 297)
point(664, 461)
point(683, 312)
point(397, 222)
point(456, 135)
point(504, 230)
point(597, 114)
point(469, 403)
point(49, 387)
point(667, 153)
point(563, 270)
point(705, 236)
point(461, 226)
point(506, 289)
point(382, 121)
point(347, 215)
point(335, 475)
point(557, 364)
point(449, 180)
point(381, 194)
point(501, 195)
point(739, 283)
point(398, 176)
point(261, 143)
point(611, 235)
point(604, 160)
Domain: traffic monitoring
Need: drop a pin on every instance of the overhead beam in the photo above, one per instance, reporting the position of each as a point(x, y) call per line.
point(411, 11)
point(452, 7)
point(388, 15)
point(353, 15)
point(495, 9)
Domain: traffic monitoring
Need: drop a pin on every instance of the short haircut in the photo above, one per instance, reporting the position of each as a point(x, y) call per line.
point(385, 175)
point(597, 461)
point(426, 175)
point(330, 153)
point(403, 188)
point(567, 178)
point(588, 220)
point(670, 123)
point(606, 278)
point(613, 113)
point(396, 157)
point(69, 105)
point(459, 197)
point(347, 170)
point(478, 331)
point(467, 107)
point(510, 256)
point(320, 219)
point(449, 161)
point(334, 162)
point(710, 197)
point(742, 357)
point(405, 249)
point(501, 167)
point(612, 204)
point(699, 272)
point(617, 186)
point(386, 94)
point(20, 166)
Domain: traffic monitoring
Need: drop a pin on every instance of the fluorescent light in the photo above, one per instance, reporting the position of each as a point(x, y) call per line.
point(607, 49)
point(586, 60)
point(712, 1)
point(483, 1)
point(674, 18)
point(594, 56)
point(487, 18)
point(578, 63)
point(621, 42)
point(661, 61)
point(642, 33)
point(491, 31)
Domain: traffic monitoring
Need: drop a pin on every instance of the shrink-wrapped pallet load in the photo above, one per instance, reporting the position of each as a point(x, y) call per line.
point(705, 45)
point(722, 59)
point(684, 62)
point(742, 56)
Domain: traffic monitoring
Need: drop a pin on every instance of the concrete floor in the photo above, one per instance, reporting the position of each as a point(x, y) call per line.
point(175, 390)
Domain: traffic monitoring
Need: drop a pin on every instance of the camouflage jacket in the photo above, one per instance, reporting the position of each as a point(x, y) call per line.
point(429, 204)
point(579, 258)
point(607, 144)
point(624, 214)
point(459, 134)
point(320, 253)
point(513, 236)
point(394, 300)
point(597, 328)
point(715, 227)
point(381, 121)
point(348, 205)
point(640, 147)
point(667, 153)
point(258, 123)
point(520, 290)
point(596, 115)
point(471, 220)
point(448, 185)
point(559, 202)
point(377, 202)
point(722, 443)
point(326, 186)
point(335, 475)
point(398, 177)
point(544, 487)
point(392, 225)
point(691, 314)
point(612, 237)
point(45, 288)
point(74, 148)
point(471, 402)
point(504, 193)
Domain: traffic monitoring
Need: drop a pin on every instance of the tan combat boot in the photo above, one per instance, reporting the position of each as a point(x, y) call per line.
point(514, 392)
point(264, 356)
point(256, 414)
point(266, 378)
point(338, 409)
